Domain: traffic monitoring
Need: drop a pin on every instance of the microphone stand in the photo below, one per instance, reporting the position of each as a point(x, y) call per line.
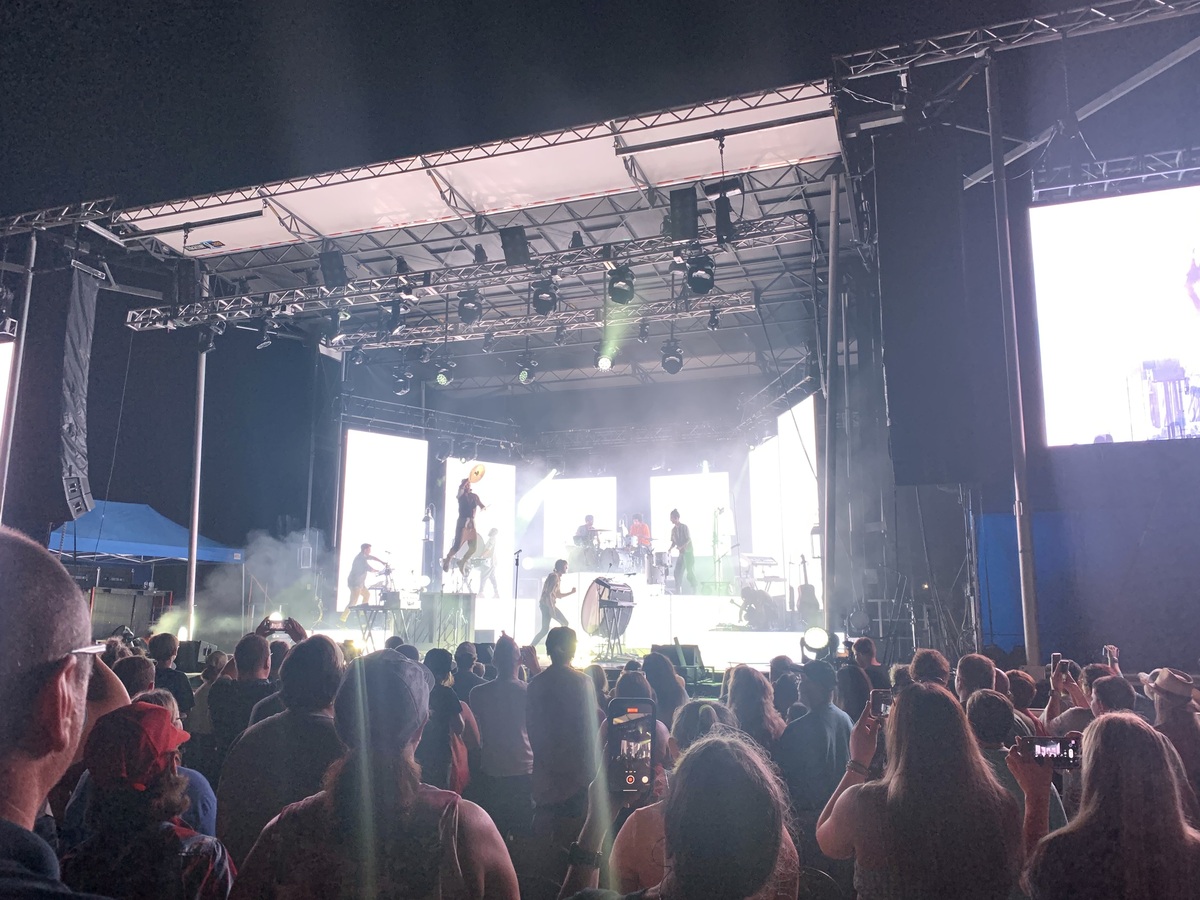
point(516, 578)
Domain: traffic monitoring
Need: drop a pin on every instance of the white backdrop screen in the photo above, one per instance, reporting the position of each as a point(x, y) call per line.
point(383, 502)
point(568, 500)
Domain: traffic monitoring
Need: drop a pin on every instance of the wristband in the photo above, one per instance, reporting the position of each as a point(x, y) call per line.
point(857, 768)
point(577, 856)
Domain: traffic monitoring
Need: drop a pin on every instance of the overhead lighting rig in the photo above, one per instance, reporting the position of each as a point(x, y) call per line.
point(700, 274)
point(621, 283)
point(545, 297)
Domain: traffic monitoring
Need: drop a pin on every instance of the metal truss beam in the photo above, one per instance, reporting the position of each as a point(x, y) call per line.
point(1117, 176)
point(627, 435)
point(621, 127)
point(55, 216)
point(372, 292)
point(365, 412)
point(1052, 26)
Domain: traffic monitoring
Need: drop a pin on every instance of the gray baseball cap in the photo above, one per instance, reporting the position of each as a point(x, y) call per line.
point(383, 700)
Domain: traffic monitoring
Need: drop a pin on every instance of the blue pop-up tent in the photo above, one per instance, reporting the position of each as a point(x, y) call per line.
point(133, 532)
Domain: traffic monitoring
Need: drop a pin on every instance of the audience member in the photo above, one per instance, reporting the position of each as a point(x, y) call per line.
point(600, 679)
point(752, 701)
point(200, 722)
point(442, 750)
point(631, 665)
point(786, 691)
point(465, 678)
point(1111, 694)
point(506, 759)
point(114, 648)
point(930, 667)
point(1173, 692)
point(634, 686)
point(1131, 839)
point(562, 720)
point(201, 812)
point(278, 650)
point(938, 824)
point(669, 690)
point(1079, 715)
point(864, 658)
point(725, 829)
point(139, 848)
point(778, 666)
point(376, 830)
point(1022, 689)
point(231, 700)
point(975, 672)
point(1002, 685)
point(136, 673)
point(853, 690)
point(990, 714)
point(901, 676)
point(45, 664)
point(163, 648)
point(813, 751)
point(283, 758)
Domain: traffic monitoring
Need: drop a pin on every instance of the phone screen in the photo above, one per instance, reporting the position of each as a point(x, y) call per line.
point(630, 741)
point(1062, 752)
point(1055, 659)
point(881, 704)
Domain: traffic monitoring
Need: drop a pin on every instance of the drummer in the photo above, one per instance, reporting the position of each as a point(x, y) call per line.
point(587, 534)
point(639, 533)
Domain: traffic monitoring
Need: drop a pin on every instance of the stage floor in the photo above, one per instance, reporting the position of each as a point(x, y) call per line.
point(708, 621)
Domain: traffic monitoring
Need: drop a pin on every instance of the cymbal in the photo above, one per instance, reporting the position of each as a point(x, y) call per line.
point(477, 473)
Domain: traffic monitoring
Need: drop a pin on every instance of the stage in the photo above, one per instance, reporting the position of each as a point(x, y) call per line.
point(710, 621)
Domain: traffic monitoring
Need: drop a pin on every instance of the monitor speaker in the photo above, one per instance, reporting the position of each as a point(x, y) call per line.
point(515, 245)
point(685, 223)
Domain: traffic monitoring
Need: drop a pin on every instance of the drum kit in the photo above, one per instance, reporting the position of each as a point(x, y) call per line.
point(590, 552)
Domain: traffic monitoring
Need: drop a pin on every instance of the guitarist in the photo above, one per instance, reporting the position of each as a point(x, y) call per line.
point(551, 593)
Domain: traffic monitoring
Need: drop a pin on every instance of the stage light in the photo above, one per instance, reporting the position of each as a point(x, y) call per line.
point(576, 240)
point(714, 319)
point(672, 358)
point(402, 387)
point(526, 369)
point(817, 641)
point(426, 353)
point(545, 297)
point(489, 342)
point(208, 336)
point(470, 307)
point(726, 232)
point(730, 187)
point(480, 255)
point(444, 376)
point(701, 274)
point(442, 451)
point(604, 359)
point(266, 334)
point(620, 285)
point(560, 335)
point(357, 356)
point(643, 332)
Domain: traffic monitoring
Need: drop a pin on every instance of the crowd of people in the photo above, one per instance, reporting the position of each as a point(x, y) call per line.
point(289, 773)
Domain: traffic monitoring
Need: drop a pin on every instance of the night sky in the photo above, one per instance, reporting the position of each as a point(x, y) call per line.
point(155, 101)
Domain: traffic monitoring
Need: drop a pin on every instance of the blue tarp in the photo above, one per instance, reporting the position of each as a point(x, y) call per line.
point(133, 531)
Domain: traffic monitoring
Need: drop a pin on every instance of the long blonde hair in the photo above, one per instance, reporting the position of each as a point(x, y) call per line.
point(1131, 812)
point(950, 829)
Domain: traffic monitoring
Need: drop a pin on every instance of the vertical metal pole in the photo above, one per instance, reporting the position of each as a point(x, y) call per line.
point(197, 449)
point(14, 382)
point(833, 384)
point(1016, 411)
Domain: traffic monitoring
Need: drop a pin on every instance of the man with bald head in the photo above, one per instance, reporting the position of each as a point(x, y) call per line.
point(45, 664)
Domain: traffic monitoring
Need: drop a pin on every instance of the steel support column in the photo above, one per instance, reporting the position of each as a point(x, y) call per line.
point(14, 382)
point(197, 449)
point(1016, 410)
point(834, 383)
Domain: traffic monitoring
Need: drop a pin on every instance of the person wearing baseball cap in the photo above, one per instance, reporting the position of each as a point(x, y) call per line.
point(1173, 693)
point(376, 829)
point(139, 846)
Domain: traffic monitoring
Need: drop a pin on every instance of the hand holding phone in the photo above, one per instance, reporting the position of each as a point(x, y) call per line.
point(881, 704)
point(630, 747)
point(1062, 753)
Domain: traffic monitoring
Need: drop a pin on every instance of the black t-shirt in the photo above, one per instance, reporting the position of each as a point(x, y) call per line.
point(464, 682)
point(878, 677)
point(28, 867)
point(230, 704)
point(178, 684)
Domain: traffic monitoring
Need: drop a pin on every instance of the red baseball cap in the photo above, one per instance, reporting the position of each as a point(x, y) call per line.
point(131, 746)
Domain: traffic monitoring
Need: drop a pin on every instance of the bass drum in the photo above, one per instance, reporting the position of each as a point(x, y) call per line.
point(617, 561)
point(589, 613)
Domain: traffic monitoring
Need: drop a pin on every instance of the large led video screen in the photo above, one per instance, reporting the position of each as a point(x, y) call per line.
point(1118, 313)
point(383, 504)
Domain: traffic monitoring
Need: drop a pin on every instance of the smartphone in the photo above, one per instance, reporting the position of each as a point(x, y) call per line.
point(1055, 659)
point(277, 626)
point(630, 746)
point(881, 704)
point(1063, 752)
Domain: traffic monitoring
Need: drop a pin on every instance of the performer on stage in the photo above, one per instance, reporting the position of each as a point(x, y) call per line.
point(487, 557)
point(357, 580)
point(639, 532)
point(681, 537)
point(464, 528)
point(585, 534)
point(551, 594)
